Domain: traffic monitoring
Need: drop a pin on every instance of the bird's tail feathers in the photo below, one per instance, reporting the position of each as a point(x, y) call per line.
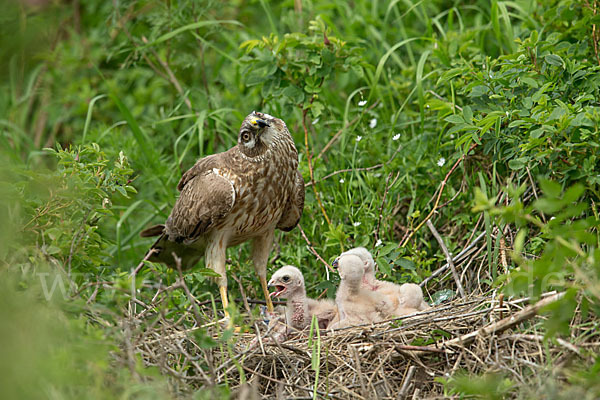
point(155, 230)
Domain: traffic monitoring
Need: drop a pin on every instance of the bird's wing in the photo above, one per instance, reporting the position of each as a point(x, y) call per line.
point(206, 199)
point(293, 209)
point(201, 167)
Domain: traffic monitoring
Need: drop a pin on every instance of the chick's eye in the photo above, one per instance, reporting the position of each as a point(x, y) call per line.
point(285, 278)
point(245, 136)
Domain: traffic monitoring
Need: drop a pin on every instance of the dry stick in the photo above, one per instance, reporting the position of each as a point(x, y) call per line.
point(385, 192)
point(407, 380)
point(310, 168)
point(341, 171)
point(338, 133)
point(540, 338)
point(506, 323)
point(171, 75)
point(458, 257)
point(448, 258)
point(191, 298)
point(312, 249)
point(141, 264)
point(418, 349)
point(287, 384)
point(361, 378)
point(437, 200)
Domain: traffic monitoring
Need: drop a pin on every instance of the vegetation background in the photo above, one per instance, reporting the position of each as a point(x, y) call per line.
point(481, 116)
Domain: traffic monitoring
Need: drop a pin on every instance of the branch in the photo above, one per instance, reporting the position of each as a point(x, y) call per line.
point(310, 168)
point(506, 323)
point(437, 200)
point(448, 258)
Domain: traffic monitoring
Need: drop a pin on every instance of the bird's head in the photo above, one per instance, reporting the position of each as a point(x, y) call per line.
point(351, 268)
point(366, 257)
point(258, 132)
point(287, 281)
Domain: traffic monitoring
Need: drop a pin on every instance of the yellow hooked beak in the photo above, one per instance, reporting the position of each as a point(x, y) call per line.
point(261, 123)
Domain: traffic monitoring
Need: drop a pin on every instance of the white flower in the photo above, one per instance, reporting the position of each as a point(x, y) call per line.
point(396, 137)
point(452, 136)
point(379, 243)
point(441, 162)
point(362, 103)
point(342, 180)
point(315, 121)
point(373, 123)
point(507, 113)
point(356, 224)
point(358, 138)
point(426, 105)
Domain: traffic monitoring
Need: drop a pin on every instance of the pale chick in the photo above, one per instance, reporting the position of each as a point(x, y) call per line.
point(406, 298)
point(357, 304)
point(289, 284)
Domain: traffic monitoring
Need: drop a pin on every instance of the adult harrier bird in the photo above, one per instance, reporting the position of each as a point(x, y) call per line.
point(229, 198)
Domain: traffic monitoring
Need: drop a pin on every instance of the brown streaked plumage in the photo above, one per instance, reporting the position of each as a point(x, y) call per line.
point(228, 198)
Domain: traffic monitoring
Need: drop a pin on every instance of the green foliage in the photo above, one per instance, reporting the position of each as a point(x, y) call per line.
point(390, 95)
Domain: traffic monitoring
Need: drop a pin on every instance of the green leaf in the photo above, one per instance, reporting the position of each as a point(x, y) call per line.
point(295, 94)
point(555, 60)
point(468, 113)
point(455, 119)
point(518, 163)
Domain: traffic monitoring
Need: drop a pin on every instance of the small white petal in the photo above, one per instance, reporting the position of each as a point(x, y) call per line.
point(342, 180)
point(362, 103)
point(358, 138)
point(373, 123)
point(441, 162)
point(396, 136)
point(379, 243)
point(315, 121)
point(356, 224)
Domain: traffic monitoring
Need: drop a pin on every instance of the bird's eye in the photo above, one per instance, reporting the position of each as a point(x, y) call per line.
point(245, 136)
point(285, 278)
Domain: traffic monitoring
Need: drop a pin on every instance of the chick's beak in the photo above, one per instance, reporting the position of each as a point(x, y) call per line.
point(335, 263)
point(261, 123)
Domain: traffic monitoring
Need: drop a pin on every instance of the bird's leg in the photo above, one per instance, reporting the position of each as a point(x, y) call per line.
point(215, 260)
point(261, 248)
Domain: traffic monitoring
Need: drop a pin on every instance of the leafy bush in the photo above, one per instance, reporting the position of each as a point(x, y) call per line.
point(401, 111)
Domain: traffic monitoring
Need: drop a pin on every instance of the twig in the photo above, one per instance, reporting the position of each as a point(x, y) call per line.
point(437, 201)
point(540, 338)
point(437, 236)
point(363, 386)
point(341, 171)
point(407, 381)
point(191, 298)
point(312, 249)
point(287, 383)
point(443, 99)
point(141, 264)
point(338, 133)
point(75, 242)
point(310, 167)
point(458, 257)
point(171, 75)
point(423, 349)
point(506, 323)
point(385, 192)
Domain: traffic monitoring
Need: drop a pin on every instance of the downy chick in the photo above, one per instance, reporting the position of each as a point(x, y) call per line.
point(289, 284)
point(406, 298)
point(357, 304)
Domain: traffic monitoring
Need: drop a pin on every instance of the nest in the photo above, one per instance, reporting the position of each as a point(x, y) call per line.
point(407, 357)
